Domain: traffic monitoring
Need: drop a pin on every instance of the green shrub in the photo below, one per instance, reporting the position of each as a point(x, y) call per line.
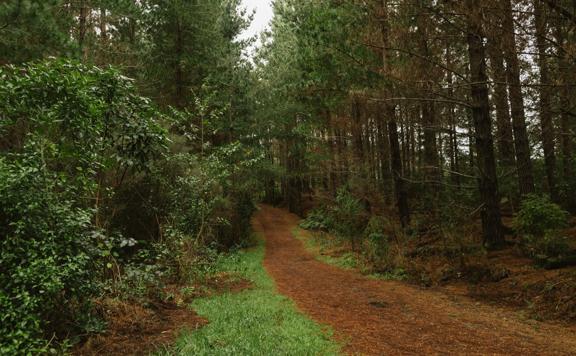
point(350, 218)
point(140, 283)
point(550, 250)
point(377, 248)
point(70, 133)
point(539, 215)
point(540, 220)
point(319, 220)
point(47, 254)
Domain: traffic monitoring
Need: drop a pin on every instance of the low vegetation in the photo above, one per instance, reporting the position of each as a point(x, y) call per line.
point(254, 322)
point(428, 141)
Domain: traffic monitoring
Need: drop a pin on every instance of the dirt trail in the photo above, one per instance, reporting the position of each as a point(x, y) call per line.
point(391, 318)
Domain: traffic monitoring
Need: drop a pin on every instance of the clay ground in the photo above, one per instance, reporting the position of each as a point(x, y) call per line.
point(372, 317)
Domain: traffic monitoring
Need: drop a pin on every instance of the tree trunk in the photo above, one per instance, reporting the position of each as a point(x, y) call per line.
point(521, 143)
point(546, 123)
point(390, 115)
point(427, 108)
point(565, 104)
point(505, 140)
point(384, 153)
point(488, 182)
point(453, 136)
point(178, 73)
point(83, 28)
point(396, 160)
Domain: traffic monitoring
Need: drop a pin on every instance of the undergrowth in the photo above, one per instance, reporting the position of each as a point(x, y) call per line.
point(257, 321)
point(333, 251)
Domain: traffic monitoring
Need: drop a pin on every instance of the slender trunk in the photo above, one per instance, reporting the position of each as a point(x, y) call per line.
point(178, 73)
point(504, 137)
point(427, 108)
point(452, 137)
point(471, 142)
point(488, 182)
point(332, 144)
point(103, 25)
point(565, 102)
point(357, 135)
point(412, 150)
point(384, 153)
point(521, 143)
point(546, 123)
point(390, 115)
point(396, 160)
point(82, 28)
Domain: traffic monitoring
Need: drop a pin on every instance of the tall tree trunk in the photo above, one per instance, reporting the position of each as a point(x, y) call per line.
point(384, 153)
point(178, 72)
point(103, 25)
point(453, 136)
point(521, 143)
point(83, 28)
point(357, 136)
point(488, 182)
point(332, 144)
point(566, 126)
point(428, 109)
point(390, 115)
point(400, 186)
point(546, 123)
point(505, 140)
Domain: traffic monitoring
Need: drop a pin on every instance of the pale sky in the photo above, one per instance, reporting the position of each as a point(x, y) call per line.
point(262, 17)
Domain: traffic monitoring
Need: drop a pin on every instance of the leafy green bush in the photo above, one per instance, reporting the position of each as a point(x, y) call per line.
point(350, 216)
point(69, 133)
point(47, 254)
point(551, 250)
point(540, 220)
point(318, 219)
point(377, 248)
point(539, 215)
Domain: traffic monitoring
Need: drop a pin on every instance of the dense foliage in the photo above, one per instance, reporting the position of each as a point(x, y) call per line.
point(68, 132)
point(104, 191)
point(136, 138)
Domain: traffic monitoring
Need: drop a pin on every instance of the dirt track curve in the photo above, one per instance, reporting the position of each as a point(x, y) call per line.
point(391, 318)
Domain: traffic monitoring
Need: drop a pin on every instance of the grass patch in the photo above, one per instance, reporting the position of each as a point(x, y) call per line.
point(323, 246)
point(257, 321)
point(333, 251)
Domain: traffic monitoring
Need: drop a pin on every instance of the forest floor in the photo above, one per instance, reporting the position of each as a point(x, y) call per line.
point(375, 317)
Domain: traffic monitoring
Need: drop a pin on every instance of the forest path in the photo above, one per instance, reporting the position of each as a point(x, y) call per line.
point(374, 317)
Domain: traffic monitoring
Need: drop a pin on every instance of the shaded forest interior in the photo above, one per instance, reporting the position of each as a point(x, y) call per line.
point(431, 141)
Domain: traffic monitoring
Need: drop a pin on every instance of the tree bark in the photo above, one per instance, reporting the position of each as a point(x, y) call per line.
point(505, 140)
point(546, 123)
point(565, 104)
point(390, 115)
point(488, 182)
point(521, 143)
point(428, 109)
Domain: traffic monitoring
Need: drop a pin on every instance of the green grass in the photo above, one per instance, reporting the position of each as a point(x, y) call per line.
point(258, 321)
point(317, 244)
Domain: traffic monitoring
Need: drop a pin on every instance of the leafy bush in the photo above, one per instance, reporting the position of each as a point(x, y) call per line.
point(69, 133)
point(318, 219)
point(539, 215)
point(140, 283)
point(377, 248)
point(540, 220)
point(91, 115)
point(83, 175)
point(551, 250)
point(47, 255)
point(350, 216)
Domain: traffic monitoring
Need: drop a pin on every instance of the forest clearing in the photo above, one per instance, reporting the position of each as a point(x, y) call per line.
point(287, 177)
